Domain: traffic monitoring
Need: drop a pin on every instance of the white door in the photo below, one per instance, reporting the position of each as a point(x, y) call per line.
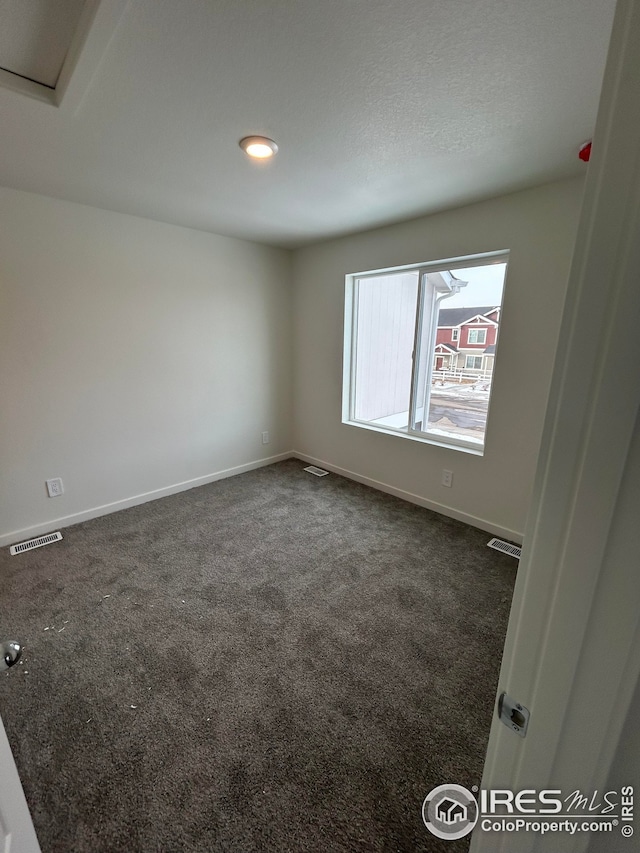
point(17, 834)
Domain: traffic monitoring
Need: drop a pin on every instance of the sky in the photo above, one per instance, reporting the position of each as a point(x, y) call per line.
point(484, 288)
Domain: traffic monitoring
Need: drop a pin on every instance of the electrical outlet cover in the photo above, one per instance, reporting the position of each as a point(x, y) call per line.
point(54, 487)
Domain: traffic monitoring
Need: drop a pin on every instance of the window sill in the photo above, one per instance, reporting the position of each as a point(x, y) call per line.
point(435, 440)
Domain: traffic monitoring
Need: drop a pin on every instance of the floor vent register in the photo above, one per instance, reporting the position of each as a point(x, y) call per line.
point(38, 542)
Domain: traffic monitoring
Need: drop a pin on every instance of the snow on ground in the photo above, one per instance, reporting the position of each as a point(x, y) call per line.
point(470, 391)
point(455, 432)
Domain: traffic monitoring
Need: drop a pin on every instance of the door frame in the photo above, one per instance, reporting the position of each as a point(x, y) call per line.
point(571, 651)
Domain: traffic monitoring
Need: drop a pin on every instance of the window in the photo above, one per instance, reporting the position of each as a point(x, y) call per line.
point(401, 374)
point(477, 336)
point(473, 362)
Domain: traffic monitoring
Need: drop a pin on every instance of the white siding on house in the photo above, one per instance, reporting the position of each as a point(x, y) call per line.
point(386, 310)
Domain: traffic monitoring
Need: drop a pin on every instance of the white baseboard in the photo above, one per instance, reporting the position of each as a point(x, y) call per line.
point(67, 520)
point(450, 512)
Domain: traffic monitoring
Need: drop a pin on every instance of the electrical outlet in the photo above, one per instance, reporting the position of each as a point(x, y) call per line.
point(447, 478)
point(54, 487)
point(265, 437)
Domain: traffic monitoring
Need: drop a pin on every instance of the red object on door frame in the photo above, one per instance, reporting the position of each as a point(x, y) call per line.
point(585, 152)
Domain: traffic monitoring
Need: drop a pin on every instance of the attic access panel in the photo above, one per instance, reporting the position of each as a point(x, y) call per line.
point(50, 50)
point(35, 37)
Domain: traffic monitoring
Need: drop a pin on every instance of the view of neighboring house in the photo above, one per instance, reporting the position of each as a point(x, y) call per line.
point(466, 339)
point(391, 358)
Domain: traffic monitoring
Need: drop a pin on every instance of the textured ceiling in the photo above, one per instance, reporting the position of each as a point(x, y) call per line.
point(382, 110)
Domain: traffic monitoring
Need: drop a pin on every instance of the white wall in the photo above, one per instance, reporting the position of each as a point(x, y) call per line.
point(134, 356)
point(493, 491)
point(137, 356)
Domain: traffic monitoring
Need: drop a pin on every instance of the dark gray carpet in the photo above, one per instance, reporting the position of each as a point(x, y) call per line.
point(273, 662)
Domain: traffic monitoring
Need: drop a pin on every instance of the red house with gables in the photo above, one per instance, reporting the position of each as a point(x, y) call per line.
point(466, 339)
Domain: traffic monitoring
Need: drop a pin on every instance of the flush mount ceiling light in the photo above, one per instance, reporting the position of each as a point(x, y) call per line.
point(258, 147)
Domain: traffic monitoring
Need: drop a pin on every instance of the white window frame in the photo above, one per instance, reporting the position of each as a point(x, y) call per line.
point(350, 336)
point(455, 334)
point(466, 362)
point(477, 332)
